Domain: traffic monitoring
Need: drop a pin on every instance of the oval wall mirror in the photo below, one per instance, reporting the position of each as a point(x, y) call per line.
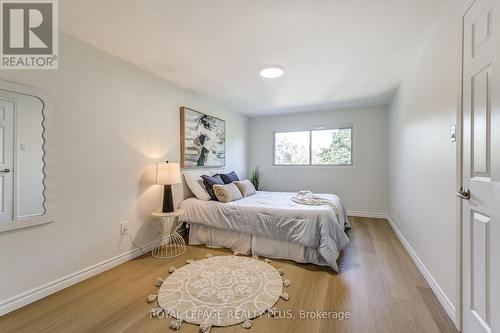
point(24, 131)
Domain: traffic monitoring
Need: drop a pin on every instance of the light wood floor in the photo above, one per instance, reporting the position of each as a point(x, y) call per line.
point(378, 284)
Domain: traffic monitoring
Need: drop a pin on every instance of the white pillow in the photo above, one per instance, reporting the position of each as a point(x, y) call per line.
point(195, 184)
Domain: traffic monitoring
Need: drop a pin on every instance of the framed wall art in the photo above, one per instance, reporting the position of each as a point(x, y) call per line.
point(203, 140)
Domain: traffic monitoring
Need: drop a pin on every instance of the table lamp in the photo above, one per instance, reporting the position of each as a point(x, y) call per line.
point(168, 174)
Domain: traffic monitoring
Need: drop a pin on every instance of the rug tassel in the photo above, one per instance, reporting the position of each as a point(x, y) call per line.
point(152, 298)
point(156, 312)
point(273, 312)
point(255, 257)
point(205, 328)
point(209, 255)
point(267, 260)
point(235, 253)
point(286, 283)
point(285, 296)
point(281, 271)
point(247, 324)
point(171, 269)
point(175, 325)
point(189, 261)
point(159, 282)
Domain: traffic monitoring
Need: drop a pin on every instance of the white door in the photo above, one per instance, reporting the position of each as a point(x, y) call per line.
point(6, 159)
point(481, 168)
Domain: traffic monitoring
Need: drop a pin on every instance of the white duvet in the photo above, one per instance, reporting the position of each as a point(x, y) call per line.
point(275, 216)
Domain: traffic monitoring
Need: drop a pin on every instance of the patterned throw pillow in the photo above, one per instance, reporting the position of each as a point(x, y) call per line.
point(229, 178)
point(209, 182)
point(227, 193)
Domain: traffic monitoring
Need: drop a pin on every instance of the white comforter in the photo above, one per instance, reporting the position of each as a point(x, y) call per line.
point(274, 215)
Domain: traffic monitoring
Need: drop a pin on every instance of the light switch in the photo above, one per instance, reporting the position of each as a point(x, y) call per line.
point(453, 133)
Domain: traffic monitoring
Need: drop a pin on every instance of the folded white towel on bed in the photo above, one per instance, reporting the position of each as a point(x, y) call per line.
point(310, 199)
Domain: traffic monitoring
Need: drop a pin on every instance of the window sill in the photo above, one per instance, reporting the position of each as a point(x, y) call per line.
point(21, 224)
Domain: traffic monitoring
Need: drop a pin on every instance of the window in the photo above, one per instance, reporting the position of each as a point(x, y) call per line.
point(291, 148)
point(316, 147)
point(332, 146)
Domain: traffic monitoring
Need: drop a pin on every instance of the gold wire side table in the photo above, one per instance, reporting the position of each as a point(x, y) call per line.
point(170, 244)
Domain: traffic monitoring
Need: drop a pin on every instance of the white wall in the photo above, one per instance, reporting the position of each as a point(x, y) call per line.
point(422, 157)
point(112, 121)
point(362, 187)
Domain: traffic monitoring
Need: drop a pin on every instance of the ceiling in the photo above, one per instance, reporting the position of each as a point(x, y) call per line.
point(336, 53)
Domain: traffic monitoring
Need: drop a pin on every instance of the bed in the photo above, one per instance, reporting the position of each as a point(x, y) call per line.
point(270, 224)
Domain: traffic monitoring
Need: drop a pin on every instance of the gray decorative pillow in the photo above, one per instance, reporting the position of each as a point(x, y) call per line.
point(246, 187)
point(227, 193)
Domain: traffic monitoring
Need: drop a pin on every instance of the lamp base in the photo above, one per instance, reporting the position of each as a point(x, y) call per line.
point(168, 202)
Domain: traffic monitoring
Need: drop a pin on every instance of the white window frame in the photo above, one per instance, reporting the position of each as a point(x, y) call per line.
point(311, 130)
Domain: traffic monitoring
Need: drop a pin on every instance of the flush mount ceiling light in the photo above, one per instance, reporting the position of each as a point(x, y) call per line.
point(272, 72)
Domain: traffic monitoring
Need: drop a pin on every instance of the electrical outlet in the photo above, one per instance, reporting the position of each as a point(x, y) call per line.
point(124, 228)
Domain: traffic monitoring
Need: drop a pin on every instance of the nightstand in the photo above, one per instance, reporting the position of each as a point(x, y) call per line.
point(170, 244)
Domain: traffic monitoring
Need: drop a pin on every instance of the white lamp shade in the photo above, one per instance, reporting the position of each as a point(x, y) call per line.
point(168, 174)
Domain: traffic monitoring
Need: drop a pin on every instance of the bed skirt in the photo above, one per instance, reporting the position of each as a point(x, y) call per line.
point(253, 245)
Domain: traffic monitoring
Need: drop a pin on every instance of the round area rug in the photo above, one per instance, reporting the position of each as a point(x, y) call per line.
point(221, 291)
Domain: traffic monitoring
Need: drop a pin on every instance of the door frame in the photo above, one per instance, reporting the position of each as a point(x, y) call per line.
point(48, 159)
point(459, 167)
point(14, 156)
